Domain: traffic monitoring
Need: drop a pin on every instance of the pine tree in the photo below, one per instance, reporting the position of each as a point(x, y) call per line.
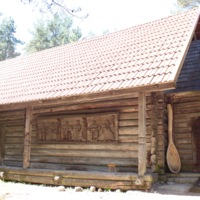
point(8, 41)
point(53, 32)
point(188, 4)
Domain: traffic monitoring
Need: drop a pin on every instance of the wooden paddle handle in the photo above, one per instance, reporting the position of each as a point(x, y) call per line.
point(170, 121)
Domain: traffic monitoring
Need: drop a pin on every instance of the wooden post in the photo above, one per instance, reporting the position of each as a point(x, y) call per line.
point(2, 144)
point(27, 137)
point(142, 133)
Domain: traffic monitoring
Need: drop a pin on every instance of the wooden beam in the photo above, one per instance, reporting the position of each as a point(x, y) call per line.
point(27, 137)
point(142, 133)
point(124, 181)
point(93, 97)
point(84, 106)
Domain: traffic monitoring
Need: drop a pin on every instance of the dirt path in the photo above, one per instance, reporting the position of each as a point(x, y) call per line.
point(18, 191)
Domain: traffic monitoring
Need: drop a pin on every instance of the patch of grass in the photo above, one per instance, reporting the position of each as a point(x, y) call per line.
point(107, 190)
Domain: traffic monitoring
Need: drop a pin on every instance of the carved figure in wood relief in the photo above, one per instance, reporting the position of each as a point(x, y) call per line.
point(95, 129)
point(41, 132)
point(66, 131)
point(53, 131)
point(84, 129)
point(77, 134)
point(107, 131)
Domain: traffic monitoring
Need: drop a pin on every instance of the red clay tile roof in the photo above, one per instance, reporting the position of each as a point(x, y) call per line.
point(145, 55)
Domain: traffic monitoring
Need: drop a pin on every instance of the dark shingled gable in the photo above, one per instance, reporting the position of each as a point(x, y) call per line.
point(189, 78)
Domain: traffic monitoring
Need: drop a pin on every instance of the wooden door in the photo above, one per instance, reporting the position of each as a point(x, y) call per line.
point(196, 136)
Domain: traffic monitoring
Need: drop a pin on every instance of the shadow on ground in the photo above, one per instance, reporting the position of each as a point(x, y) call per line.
point(175, 189)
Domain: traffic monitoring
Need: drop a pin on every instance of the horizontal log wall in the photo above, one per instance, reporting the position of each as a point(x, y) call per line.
point(79, 156)
point(89, 157)
point(186, 108)
point(13, 123)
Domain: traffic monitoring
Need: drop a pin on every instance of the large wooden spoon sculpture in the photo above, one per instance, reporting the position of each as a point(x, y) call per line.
point(173, 158)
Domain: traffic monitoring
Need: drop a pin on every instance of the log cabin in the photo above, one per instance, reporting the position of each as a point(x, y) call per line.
point(94, 112)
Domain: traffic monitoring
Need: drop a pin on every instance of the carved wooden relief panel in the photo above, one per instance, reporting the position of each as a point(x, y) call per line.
point(85, 128)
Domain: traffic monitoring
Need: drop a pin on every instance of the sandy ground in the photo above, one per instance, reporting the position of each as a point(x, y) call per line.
point(18, 191)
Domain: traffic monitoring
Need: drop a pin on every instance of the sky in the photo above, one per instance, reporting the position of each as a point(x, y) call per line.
point(111, 15)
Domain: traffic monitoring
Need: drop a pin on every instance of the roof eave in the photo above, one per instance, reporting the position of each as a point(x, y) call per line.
point(88, 97)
